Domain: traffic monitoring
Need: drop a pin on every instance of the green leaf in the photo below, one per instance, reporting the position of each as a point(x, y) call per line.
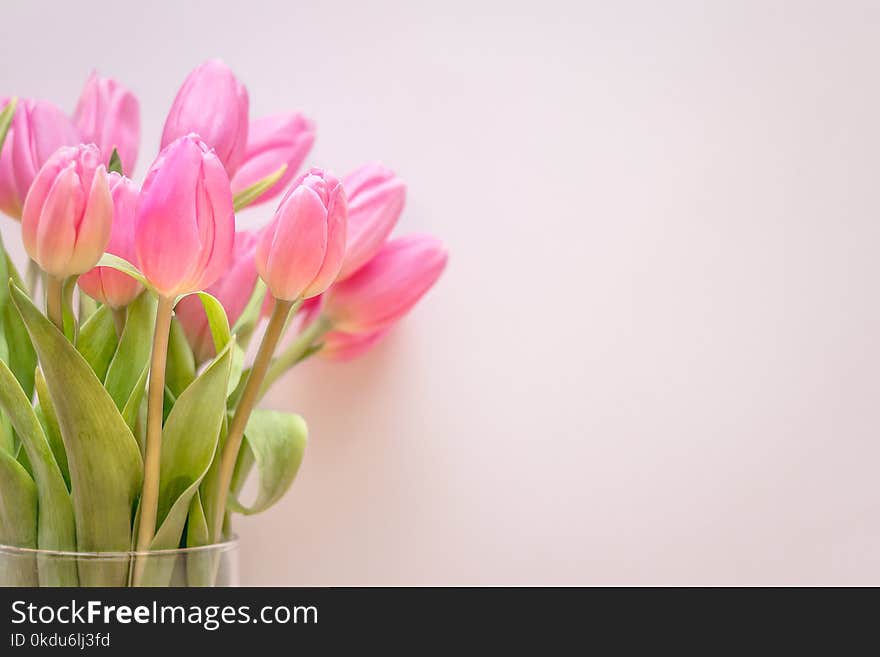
point(250, 316)
point(197, 533)
point(201, 565)
point(208, 490)
point(180, 369)
point(218, 323)
point(22, 357)
point(50, 426)
point(18, 522)
point(277, 441)
point(247, 196)
point(18, 504)
point(7, 436)
point(221, 335)
point(4, 275)
point(6, 120)
point(105, 464)
point(189, 440)
point(135, 400)
point(133, 353)
point(55, 521)
point(97, 341)
point(244, 463)
point(87, 307)
point(115, 163)
point(120, 264)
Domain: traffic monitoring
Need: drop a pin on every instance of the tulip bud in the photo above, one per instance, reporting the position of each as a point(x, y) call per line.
point(272, 142)
point(109, 116)
point(375, 200)
point(300, 252)
point(105, 284)
point(388, 286)
point(339, 346)
point(185, 225)
point(233, 290)
point(38, 129)
point(213, 104)
point(67, 214)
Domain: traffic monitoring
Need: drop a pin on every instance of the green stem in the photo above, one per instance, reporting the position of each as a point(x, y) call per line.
point(153, 450)
point(243, 412)
point(54, 296)
point(32, 277)
point(295, 352)
point(71, 328)
point(119, 315)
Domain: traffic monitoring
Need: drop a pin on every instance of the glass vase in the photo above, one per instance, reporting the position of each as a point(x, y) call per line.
point(211, 565)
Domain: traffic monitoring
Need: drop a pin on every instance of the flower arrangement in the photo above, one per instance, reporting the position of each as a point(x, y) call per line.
point(129, 415)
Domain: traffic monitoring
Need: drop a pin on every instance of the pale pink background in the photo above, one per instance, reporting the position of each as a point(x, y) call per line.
point(654, 357)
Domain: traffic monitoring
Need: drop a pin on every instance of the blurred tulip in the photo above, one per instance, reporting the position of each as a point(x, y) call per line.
point(233, 290)
point(300, 252)
point(105, 284)
point(109, 116)
point(38, 129)
point(213, 104)
point(375, 200)
point(387, 287)
point(339, 346)
point(185, 225)
point(68, 211)
point(272, 142)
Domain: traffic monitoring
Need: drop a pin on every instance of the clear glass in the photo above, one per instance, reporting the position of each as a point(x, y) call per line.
point(211, 565)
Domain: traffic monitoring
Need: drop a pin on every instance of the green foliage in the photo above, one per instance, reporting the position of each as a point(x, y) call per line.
point(132, 355)
point(115, 163)
point(277, 442)
point(97, 341)
point(6, 119)
point(187, 454)
point(104, 459)
point(247, 196)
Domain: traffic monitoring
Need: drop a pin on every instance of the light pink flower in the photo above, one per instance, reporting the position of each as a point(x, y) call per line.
point(38, 129)
point(105, 284)
point(272, 142)
point(68, 211)
point(185, 224)
point(109, 116)
point(213, 104)
point(339, 346)
point(300, 252)
point(375, 200)
point(388, 286)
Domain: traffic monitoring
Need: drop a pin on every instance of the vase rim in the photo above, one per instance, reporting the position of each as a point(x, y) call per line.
point(221, 546)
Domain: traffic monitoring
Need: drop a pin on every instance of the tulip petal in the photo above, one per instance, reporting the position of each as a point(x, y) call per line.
point(56, 231)
point(291, 251)
point(387, 287)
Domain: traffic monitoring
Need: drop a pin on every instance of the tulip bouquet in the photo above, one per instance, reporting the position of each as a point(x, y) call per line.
point(128, 403)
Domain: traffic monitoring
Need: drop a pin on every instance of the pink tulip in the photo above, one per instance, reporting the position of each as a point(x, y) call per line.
point(105, 284)
point(213, 104)
point(185, 225)
point(272, 142)
point(109, 116)
point(339, 346)
point(388, 286)
point(38, 129)
point(300, 252)
point(233, 290)
point(67, 214)
point(375, 200)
